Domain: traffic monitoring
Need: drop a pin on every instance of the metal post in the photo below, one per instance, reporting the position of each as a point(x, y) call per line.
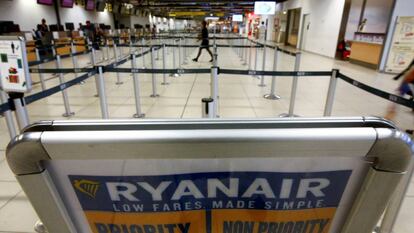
point(164, 75)
point(262, 84)
point(158, 51)
point(179, 54)
point(41, 77)
point(118, 77)
point(215, 55)
point(102, 94)
point(272, 95)
point(250, 55)
point(243, 59)
point(8, 116)
point(139, 113)
point(67, 113)
point(93, 62)
point(331, 93)
point(294, 89)
point(74, 60)
point(207, 106)
point(21, 112)
point(184, 52)
point(154, 81)
point(214, 90)
point(173, 59)
point(142, 52)
point(107, 50)
point(255, 60)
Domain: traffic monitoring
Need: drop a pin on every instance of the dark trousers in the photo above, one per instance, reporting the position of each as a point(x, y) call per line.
point(206, 48)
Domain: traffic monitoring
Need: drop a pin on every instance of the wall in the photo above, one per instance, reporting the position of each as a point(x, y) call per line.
point(27, 13)
point(377, 13)
point(353, 20)
point(325, 18)
point(139, 20)
point(402, 8)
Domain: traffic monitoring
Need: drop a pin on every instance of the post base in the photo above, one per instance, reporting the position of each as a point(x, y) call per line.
point(288, 115)
point(82, 82)
point(165, 83)
point(39, 227)
point(261, 85)
point(96, 95)
point(271, 97)
point(175, 75)
point(119, 83)
point(68, 114)
point(154, 96)
point(136, 115)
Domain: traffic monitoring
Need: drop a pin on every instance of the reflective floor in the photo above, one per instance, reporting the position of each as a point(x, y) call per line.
point(239, 97)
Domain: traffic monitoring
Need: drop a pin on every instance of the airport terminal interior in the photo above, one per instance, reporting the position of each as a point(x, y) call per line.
point(244, 72)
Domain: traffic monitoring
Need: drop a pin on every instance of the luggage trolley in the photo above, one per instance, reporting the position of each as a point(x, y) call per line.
point(210, 176)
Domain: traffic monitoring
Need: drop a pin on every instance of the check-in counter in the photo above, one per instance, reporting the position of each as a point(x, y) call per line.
point(365, 53)
point(65, 42)
point(30, 51)
point(366, 49)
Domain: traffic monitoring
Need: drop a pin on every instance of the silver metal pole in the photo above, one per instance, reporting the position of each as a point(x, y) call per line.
point(139, 113)
point(272, 95)
point(74, 60)
point(184, 52)
point(262, 84)
point(214, 90)
point(255, 60)
point(331, 94)
point(107, 50)
point(250, 55)
point(68, 112)
point(142, 52)
point(41, 77)
point(179, 54)
point(215, 55)
point(93, 62)
point(207, 106)
point(154, 80)
point(164, 75)
point(118, 78)
point(244, 54)
point(21, 113)
point(173, 59)
point(8, 116)
point(294, 89)
point(158, 51)
point(102, 94)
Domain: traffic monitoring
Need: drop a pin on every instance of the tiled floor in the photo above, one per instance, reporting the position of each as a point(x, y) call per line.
point(240, 96)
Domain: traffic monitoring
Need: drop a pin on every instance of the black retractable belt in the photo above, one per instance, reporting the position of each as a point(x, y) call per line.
point(391, 97)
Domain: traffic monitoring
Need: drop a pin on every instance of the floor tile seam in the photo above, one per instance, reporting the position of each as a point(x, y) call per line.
point(10, 200)
point(189, 95)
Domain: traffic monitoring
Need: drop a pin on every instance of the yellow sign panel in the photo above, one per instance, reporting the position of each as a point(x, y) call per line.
point(193, 13)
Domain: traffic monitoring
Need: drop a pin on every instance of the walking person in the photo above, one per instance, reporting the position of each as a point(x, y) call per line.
point(204, 42)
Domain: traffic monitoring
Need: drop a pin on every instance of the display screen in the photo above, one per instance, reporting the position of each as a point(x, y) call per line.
point(66, 3)
point(237, 18)
point(90, 5)
point(45, 2)
point(264, 8)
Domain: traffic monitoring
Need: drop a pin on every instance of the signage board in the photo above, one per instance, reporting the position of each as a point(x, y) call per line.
point(264, 8)
point(237, 18)
point(14, 75)
point(201, 196)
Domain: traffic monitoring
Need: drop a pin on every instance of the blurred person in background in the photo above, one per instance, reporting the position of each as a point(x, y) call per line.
point(204, 42)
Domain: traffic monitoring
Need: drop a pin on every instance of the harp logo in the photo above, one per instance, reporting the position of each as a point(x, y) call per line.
point(87, 187)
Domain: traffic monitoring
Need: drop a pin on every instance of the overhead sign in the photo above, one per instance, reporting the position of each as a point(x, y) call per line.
point(195, 196)
point(14, 75)
point(264, 8)
point(237, 18)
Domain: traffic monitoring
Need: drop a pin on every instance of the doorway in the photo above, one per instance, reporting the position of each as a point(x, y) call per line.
point(305, 29)
point(293, 27)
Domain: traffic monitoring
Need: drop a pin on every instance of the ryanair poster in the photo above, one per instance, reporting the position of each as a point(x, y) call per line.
point(233, 201)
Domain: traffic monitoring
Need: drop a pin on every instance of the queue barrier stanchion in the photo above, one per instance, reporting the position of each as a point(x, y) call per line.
point(176, 74)
point(214, 90)
point(262, 83)
point(65, 97)
point(39, 66)
point(250, 55)
point(135, 156)
point(137, 91)
point(74, 60)
point(244, 57)
point(255, 60)
point(272, 95)
point(330, 98)
point(118, 77)
point(102, 93)
point(180, 60)
point(22, 116)
point(157, 58)
point(164, 75)
point(93, 62)
point(154, 78)
point(294, 89)
point(108, 57)
point(8, 115)
point(185, 52)
point(142, 52)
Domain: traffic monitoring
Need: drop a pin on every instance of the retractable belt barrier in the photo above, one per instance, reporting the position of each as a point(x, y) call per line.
point(46, 60)
point(111, 68)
